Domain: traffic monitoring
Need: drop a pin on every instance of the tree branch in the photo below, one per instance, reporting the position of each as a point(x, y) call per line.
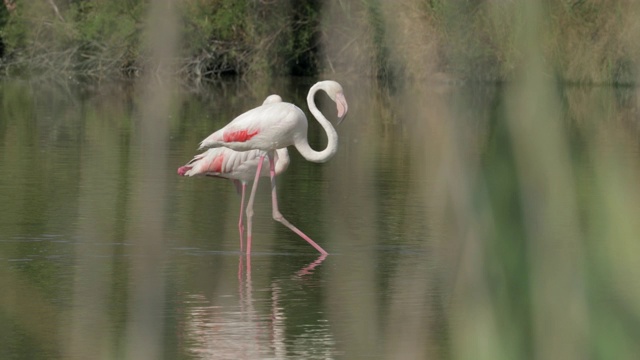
point(55, 9)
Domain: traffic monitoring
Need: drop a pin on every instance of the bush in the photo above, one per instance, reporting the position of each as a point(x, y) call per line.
point(583, 41)
point(100, 39)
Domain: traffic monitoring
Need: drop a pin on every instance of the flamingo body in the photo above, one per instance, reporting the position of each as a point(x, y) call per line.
point(230, 164)
point(267, 127)
point(235, 165)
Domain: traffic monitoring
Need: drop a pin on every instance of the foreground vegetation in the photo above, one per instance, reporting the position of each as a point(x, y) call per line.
point(584, 41)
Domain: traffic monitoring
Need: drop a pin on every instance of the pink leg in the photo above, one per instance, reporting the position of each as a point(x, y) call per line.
point(277, 216)
point(249, 274)
point(250, 204)
point(240, 225)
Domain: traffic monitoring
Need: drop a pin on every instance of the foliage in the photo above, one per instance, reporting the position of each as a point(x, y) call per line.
point(584, 41)
point(102, 39)
point(241, 37)
point(94, 39)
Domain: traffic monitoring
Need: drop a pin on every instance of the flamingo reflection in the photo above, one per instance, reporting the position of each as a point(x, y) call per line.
point(252, 328)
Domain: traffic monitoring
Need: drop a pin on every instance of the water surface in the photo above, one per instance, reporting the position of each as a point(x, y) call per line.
point(425, 212)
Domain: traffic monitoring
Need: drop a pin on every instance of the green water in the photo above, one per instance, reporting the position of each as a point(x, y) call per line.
point(106, 253)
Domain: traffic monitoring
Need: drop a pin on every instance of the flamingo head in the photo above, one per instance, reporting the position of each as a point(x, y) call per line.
point(335, 92)
point(341, 103)
point(182, 170)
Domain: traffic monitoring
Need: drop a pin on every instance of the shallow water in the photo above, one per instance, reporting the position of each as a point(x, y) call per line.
point(105, 251)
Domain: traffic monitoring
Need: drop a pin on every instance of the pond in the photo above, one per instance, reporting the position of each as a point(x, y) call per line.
point(464, 220)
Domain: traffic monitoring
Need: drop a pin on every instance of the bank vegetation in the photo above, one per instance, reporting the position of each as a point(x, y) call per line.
point(585, 41)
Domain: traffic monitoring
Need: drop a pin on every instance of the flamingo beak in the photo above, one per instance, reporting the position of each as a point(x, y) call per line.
point(341, 103)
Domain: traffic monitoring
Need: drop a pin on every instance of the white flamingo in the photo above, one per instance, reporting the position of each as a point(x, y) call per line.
point(276, 125)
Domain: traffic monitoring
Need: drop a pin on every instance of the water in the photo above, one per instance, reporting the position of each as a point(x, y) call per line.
point(106, 252)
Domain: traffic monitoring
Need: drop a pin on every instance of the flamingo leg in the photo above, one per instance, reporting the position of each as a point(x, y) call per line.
point(240, 224)
point(277, 216)
point(250, 203)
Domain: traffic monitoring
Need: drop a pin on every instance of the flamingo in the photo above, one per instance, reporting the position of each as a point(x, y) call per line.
point(238, 166)
point(277, 125)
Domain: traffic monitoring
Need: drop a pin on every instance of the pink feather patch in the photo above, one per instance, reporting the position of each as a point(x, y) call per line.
point(216, 164)
point(238, 136)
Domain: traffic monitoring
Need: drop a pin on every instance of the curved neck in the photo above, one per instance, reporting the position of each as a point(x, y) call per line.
point(332, 136)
